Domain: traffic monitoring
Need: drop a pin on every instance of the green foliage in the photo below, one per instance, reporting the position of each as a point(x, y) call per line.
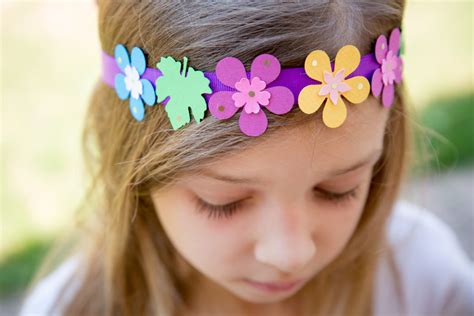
point(184, 89)
point(18, 267)
point(449, 136)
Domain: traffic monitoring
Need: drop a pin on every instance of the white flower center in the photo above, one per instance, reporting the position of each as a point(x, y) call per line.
point(132, 82)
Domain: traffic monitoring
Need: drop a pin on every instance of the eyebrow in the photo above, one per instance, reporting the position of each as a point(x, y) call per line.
point(374, 156)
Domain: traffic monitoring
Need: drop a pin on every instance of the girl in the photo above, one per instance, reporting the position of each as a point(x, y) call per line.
point(288, 207)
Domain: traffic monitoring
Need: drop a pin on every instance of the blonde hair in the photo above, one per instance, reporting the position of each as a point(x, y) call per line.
point(129, 262)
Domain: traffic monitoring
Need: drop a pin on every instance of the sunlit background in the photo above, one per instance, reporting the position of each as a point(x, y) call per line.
point(50, 63)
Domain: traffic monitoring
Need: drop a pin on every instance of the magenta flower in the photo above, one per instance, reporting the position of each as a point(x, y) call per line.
point(390, 72)
point(251, 95)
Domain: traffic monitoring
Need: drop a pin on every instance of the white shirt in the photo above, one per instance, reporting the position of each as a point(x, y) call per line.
point(437, 278)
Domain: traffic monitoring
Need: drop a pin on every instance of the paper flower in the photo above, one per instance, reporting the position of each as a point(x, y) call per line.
point(251, 94)
point(333, 84)
point(130, 84)
point(390, 71)
point(185, 88)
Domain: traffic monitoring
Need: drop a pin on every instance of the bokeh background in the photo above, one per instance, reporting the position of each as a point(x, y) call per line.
point(50, 61)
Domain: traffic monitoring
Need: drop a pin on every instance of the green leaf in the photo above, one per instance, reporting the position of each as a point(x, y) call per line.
point(185, 89)
point(178, 115)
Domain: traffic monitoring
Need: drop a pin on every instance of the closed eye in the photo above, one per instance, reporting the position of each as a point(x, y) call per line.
point(336, 196)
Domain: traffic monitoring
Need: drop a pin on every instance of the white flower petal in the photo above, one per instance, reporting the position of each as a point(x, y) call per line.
point(135, 94)
point(128, 83)
point(128, 71)
point(134, 74)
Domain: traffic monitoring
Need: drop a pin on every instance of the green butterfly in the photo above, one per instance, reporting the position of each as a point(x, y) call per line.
point(185, 90)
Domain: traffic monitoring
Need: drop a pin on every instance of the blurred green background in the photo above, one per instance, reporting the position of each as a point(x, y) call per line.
point(50, 63)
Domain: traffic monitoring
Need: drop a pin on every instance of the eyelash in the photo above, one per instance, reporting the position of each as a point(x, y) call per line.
point(228, 210)
point(336, 197)
point(218, 211)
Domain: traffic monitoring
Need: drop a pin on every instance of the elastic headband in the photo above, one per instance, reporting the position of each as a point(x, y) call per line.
point(267, 86)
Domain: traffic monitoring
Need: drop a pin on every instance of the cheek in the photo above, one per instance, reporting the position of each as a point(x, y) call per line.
point(209, 245)
point(337, 225)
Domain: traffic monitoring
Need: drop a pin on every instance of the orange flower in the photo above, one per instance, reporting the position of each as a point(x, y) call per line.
point(333, 84)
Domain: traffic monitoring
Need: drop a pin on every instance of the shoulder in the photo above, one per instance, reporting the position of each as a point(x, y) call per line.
point(436, 276)
point(418, 237)
point(60, 284)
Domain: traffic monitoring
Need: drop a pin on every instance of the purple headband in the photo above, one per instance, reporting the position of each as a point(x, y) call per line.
point(231, 87)
point(294, 79)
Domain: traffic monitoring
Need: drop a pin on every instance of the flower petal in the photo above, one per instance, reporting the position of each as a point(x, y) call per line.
point(230, 70)
point(343, 87)
point(334, 115)
point(252, 106)
point(398, 71)
point(281, 100)
point(121, 56)
point(239, 99)
point(148, 94)
point(334, 96)
point(120, 87)
point(266, 67)
point(243, 85)
point(381, 48)
point(316, 63)
point(136, 90)
point(221, 105)
point(138, 60)
point(360, 89)
point(263, 97)
point(394, 41)
point(309, 99)
point(325, 90)
point(258, 84)
point(377, 83)
point(328, 78)
point(253, 124)
point(128, 82)
point(388, 95)
point(347, 58)
point(137, 108)
point(132, 73)
point(340, 75)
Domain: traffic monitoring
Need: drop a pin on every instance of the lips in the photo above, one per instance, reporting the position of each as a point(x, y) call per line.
point(275, 286)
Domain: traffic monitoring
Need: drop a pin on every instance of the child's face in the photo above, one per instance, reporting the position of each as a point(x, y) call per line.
point(296, 213)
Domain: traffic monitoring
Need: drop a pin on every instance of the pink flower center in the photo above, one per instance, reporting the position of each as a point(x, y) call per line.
point(334, 85)
point(251, 94)
point(389, 64)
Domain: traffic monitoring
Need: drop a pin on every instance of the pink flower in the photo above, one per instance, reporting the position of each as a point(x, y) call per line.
point(334, 85)
point(390, 72)
point(389, 64)
point(250, 94)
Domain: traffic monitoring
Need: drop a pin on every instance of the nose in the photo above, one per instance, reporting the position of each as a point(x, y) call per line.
point(285, 242)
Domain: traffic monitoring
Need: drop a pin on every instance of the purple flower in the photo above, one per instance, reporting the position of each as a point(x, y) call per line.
point(251, 94)
point(390, 71)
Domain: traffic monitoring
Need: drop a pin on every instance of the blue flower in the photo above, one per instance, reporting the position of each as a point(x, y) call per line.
point(130, 84)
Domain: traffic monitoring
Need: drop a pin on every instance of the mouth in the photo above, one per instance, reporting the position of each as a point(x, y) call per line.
point(275, 286)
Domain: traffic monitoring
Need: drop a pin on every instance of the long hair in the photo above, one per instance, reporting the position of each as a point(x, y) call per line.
point(129, 265)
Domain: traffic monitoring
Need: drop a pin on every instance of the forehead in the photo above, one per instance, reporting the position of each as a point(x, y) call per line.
point(312, 146)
